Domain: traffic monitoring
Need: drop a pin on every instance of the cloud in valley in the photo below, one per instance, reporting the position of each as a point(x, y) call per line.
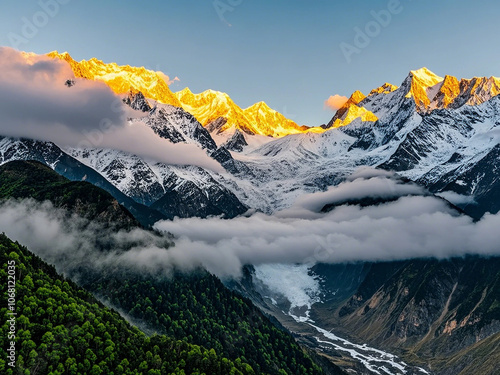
point(412, 226)
point(35, 103)
point(365, 182)
point(51, 234)
point(335, 102)
point(456, 198)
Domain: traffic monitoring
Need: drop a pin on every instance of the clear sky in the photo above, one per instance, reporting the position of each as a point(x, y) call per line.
point(285, 52)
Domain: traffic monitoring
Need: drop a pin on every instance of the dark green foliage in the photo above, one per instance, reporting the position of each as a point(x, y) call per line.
point(62, 329)
point(198, 307)
point(32, 179)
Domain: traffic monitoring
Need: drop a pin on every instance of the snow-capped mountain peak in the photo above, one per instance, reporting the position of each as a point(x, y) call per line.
point(423, 83)
point(384, 89)
point(425, 77)
point(209, 106)
point(351, 111)
point(121, 79)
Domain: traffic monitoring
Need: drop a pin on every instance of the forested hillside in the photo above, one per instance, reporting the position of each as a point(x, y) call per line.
point(62, 329)
point(200, 308)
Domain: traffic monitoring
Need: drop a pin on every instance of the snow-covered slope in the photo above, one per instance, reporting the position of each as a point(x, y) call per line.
point(424, 131)
point(195, 190)
point(411, 129)
point(53, 156)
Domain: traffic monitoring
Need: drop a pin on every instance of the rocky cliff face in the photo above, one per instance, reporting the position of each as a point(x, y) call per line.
point(433, 311)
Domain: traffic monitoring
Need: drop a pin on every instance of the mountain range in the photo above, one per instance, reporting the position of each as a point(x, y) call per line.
point(440, 133)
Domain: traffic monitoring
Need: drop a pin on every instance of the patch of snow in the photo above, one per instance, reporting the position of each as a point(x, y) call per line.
point(293, 282)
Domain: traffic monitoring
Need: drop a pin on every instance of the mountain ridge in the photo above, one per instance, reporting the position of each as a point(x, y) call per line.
point(259, 118)
point(121, 78)
point(153, 85)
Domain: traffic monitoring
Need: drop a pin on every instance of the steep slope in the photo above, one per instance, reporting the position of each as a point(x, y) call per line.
point(438, 312)
point(350, 111)
point(237, 142)
point(200, 308)
point(122, 78)
point(456, 151)
point(172, 190)
point(177, 125)
point(455, 94)
point(32, 179)
point(270, 122)
point(422, 92)
point(62, 329)
point(50, 154)
point(478, 180)
point(423, 83)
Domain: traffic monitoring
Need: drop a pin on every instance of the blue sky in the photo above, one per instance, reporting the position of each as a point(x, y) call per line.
point(285, 52)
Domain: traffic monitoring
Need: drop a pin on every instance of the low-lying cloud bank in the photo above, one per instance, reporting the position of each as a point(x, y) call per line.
point(413, 226)
point(71, 242)
point(36, 103)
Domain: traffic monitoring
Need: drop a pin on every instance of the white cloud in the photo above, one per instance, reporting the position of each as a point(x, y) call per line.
point(456, 198)
point(413, 226)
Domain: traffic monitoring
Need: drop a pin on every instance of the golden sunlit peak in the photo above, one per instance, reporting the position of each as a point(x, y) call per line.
point(61, 56)
point(351, 113)
point(185, 90)
point(259, 105)
point(57, 53)
point(259, 118)
point(184, 93)
point(426, 77)
point(421, 81)
point(386, 88)
point(356, 97)
point(424, 71)
point(154, 85)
